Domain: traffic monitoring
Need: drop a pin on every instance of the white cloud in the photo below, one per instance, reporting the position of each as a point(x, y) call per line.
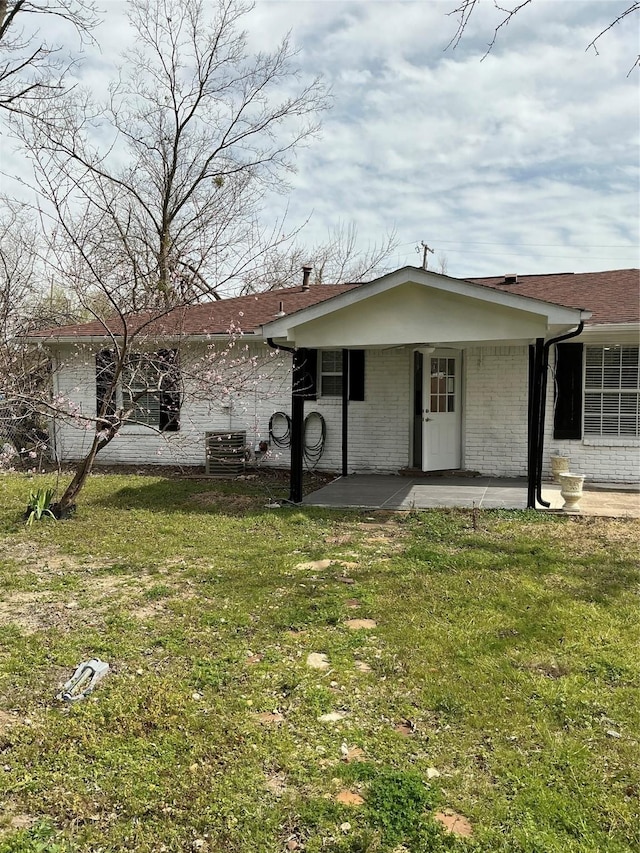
point(535, 145)
point(525, 161)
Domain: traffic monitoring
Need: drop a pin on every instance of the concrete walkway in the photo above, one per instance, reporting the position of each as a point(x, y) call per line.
point(373, 491)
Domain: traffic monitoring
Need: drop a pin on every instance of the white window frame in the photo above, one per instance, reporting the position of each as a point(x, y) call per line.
point(128, 387)
point(599, 420)
point(329, 373)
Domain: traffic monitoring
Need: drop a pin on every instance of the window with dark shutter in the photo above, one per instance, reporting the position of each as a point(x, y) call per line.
point(567, 418)
point(330, 373)
point(149, 388)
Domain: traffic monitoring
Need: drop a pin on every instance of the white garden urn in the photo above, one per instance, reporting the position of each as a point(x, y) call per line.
point(571, 490)
point(559, 465)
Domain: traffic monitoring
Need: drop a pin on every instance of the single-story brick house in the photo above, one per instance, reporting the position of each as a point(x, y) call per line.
point(413, 370)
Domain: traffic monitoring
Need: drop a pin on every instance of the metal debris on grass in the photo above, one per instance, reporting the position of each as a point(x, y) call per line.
point(84, 680)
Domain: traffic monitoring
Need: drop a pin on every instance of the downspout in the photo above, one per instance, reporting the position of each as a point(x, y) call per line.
point(297, 430)
point(538, 451)
point(276, 346)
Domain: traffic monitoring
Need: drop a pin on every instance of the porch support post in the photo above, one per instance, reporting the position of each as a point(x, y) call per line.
point(297, 447)
point(544, 369)
point(298, 388)
point(535, 370)
point(299, 391)
point(345, 412)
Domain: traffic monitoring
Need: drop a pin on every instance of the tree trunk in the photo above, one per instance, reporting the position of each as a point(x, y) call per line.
point(67, 501)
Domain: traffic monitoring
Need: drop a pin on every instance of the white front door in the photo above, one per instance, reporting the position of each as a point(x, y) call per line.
point(441, 411)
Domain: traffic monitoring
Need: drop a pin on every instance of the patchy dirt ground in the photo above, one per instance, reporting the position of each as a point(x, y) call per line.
point(234, 502)
point(82, 603)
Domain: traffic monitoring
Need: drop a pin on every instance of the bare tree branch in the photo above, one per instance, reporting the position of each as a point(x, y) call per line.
point(467, 8)
point(31, 68)
point(338, 259)
point(634, 7)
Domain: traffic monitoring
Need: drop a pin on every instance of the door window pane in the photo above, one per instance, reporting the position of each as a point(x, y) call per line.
point(443, 384)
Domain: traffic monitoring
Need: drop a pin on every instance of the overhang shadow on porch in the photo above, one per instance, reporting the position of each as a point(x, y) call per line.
point(206, 497)
point(378, 491)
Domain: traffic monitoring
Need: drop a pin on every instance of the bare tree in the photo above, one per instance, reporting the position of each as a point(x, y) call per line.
point(152, 200)
point(467, 8)
point(17, 265)
point(19, 294)
point(31, 67)
point(28, 302)
point(338, 259)
point(196, 133)
point(442, 263)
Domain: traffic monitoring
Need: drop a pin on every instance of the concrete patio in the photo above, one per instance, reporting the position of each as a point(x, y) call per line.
point(372, 491)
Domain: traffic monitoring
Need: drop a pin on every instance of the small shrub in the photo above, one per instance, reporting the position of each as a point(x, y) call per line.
point(39, 505)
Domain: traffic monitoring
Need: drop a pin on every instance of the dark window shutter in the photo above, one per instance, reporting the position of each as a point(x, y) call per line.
point(105, 374)
point(169, 391)
point(567, 420)
point(305, 373)
point(356, 374)
point(169, 411)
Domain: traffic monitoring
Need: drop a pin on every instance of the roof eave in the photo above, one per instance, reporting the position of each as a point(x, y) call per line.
point(556, 314)
point(54, 340)
point(633, 326)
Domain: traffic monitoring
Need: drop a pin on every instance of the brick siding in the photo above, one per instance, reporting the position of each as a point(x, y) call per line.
point(494, 431)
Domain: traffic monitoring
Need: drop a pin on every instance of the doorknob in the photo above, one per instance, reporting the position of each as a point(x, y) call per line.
point(426, 420)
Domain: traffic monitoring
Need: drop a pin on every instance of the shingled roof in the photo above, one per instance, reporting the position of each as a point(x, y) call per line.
point(612, 296)
point(244, 313)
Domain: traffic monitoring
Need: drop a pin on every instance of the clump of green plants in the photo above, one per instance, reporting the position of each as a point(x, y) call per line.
point(39, 505)
point(38, 839)
point(396, 801)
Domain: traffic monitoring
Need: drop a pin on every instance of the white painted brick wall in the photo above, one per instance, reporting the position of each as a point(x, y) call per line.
point(378, 426)
point(494, 419)
point(495, 425)
point(495, 411)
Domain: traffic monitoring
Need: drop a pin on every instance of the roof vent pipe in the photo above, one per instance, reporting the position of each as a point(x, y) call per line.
point(306, 275)
point(281, 310)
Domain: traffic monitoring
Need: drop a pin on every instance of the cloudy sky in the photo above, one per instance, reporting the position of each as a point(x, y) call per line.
point(526, 161)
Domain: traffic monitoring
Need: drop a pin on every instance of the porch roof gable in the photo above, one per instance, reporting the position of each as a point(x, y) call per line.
point(412, 305)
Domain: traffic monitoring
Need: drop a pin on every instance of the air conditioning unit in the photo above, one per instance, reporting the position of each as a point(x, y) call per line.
point(225, 453)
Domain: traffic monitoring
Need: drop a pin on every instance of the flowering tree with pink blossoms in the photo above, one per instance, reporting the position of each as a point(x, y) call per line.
point(151, 203)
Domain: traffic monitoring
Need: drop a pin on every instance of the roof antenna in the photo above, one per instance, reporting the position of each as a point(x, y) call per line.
point(425, 250)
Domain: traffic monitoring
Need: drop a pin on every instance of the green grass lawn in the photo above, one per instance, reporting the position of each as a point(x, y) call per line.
point(498, 678)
